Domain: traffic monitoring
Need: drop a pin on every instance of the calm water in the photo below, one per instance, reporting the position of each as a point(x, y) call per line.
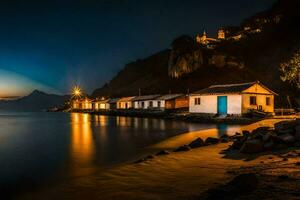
point(45, 148)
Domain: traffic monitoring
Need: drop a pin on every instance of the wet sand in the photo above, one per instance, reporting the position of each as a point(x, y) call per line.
point(181, 175)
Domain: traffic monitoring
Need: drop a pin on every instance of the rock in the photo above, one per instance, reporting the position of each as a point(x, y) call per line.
point(162, 152)
point(283, 177)
point(261, 129)
point(297, 132)
point(224, 136)
point(140, 160)
point(224, 140)
point(252, 146)
point(297, 136)
point(288, 138)
point(196, 143)
point(150, 157)
point(237, 144)
point(245, 183)
point(211, 140)
point(285, 127)
point(245, 133)
point(237, 133)
point(268, 146)
point(266, 137)
point(182, 148)
point(286, 131)
point(280, 146)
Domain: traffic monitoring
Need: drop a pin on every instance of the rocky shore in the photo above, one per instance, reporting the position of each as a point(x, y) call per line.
point(282, 141)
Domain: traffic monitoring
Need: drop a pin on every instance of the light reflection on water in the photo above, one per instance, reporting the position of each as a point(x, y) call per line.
point(82, 147)
point(36, 147)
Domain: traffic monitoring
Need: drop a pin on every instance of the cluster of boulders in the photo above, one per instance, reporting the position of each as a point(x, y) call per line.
point(284, 134)
point(198, 142)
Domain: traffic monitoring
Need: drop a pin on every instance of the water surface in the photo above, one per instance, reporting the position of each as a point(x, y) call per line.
point(38, 149)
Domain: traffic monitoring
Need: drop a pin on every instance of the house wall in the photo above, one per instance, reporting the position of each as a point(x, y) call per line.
point(99, 106)
point(122, 104)
point(87, 105)
point(209, 104)
point(182, 102)
point(260, 101)
point(261, 93)
point(76, 105)
point(138, 104)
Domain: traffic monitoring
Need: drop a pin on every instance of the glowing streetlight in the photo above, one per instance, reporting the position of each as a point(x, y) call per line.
point(76, 91)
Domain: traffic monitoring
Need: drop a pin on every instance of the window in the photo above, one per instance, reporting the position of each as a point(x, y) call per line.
point(197, 101)
point(252, 100)
point(158, 104)
point(150, 104)
point(143, 104)
point(268, 101)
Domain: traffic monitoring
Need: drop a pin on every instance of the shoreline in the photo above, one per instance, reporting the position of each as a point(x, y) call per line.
point(178, 175)
point(178, 115)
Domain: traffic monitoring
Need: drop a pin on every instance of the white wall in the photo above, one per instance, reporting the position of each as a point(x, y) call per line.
point(209, 104)
point(234, 104)
point(138, 104)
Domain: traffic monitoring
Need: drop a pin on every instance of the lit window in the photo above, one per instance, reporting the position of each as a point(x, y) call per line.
point(253, 100)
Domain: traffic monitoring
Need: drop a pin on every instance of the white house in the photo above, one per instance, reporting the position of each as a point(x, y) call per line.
point(145, 102)
point(236, 99)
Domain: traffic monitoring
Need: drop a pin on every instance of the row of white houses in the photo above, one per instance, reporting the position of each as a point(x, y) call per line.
point(235, 99)
point(161, 102)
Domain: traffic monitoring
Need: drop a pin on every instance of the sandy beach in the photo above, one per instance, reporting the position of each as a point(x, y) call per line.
point(179, 175)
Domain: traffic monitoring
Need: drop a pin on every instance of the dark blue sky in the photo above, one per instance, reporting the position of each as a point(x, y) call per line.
point(62, 43)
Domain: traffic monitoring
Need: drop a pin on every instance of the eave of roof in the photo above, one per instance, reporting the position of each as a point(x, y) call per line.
point(146, 97)
point(169, 96)
point(229, 89)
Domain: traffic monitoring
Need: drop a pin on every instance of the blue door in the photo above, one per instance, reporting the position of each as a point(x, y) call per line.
point(222, 105)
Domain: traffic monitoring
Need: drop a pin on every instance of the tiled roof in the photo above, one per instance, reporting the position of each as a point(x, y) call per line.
point(169, 96)
point(146, 97)
point(124, 99)
point(115, 100)
point(229, 88)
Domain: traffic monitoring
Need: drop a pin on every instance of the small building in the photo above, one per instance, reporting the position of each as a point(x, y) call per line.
point(236, 99)
point(145, 102)
point(172, 101)
point(125, 103)
point(82, 104)
point(101, 104)
point(113, 103)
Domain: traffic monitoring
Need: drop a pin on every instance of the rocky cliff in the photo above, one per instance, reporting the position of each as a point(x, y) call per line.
point(189, 67)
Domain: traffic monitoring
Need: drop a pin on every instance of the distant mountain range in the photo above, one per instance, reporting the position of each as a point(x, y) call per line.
point(256, 56)
point(36, 101)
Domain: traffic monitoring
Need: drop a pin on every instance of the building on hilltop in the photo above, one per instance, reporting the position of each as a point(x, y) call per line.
point(210, 42)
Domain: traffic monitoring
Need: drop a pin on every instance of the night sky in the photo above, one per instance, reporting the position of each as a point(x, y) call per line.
point(53, 46)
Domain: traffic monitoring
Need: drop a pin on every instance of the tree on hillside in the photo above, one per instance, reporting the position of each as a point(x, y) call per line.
point(291, 70)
